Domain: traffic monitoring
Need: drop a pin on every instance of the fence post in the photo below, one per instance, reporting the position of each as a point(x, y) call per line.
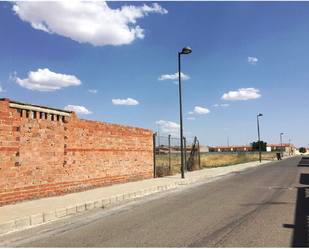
point(169, 153)
point(154, 155)
point(185, 142)
point(199, 154)
point(159, 144)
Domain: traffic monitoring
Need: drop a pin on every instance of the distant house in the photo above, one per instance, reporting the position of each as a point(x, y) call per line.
point(211, 149)
point(204, 149)
point(233, 148)
point(176, 149)
point(288, 148)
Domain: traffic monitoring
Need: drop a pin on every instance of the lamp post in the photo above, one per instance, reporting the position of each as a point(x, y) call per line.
point(258, 127)
point(159, 138)
point(185, 50)
point(281, 144)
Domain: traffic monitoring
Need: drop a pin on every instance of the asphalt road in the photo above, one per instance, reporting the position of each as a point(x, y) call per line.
point(266, 206)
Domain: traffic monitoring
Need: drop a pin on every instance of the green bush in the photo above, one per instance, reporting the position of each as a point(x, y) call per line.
point(302, 150)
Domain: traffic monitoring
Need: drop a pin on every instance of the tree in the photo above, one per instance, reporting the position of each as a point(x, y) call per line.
point(255, 146)
point(302, 150)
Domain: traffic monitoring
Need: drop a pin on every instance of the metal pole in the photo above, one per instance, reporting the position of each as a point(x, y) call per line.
point(159, 139)
point(185, 142)
point(154, 155)
point(185, 50)
point(169, 152)
point(259, 137)
point(181, 131)
point(199, 154)
point(281, 144)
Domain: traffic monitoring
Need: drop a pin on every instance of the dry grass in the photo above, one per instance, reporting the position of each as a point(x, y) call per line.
point(207, 161)
point(163, 160)
point(162, 171)
point(219, 160)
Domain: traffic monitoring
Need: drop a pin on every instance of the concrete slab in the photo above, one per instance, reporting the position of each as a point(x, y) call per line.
point(49, 216)
point(36, 219)
point(21, 223)
point(61, 212)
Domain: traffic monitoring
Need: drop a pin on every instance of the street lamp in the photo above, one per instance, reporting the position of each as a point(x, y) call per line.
point(259, 135)
point(281, 144)
point(159, 138)
point(185, 50)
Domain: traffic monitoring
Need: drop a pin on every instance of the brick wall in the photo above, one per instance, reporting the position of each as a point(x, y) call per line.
point(48, 152)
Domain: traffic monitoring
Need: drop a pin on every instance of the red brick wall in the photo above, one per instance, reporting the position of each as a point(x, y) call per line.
point(43, 156)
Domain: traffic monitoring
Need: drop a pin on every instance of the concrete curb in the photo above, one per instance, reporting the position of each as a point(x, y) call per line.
point(44, 217)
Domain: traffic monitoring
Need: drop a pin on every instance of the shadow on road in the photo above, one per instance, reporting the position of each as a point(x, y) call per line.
point(300, 236)
point(304, 162)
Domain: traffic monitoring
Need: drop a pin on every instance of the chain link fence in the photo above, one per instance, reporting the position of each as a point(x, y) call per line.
point(194, 161)
point(167, 155)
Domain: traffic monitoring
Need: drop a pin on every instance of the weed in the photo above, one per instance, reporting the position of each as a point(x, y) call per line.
point(221, 160)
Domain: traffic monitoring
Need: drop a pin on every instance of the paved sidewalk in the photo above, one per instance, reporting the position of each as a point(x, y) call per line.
point(26, 214)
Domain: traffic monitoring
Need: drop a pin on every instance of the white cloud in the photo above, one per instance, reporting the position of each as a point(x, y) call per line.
point(77, 109)
point(12, 77)
point(93, 91)
point(127, 101)
point(190, 118)
point(174, 76)
point(44, 80)
point(199, 110)
point(169, 127)
point(242, 94)
point(92, 22)
point(252, 60)
point(216, 105)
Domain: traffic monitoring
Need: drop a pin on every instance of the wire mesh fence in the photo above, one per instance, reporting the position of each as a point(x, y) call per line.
point(167, 155)
point(194, 161)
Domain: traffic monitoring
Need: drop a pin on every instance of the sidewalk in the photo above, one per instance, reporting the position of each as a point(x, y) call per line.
point(26, 214)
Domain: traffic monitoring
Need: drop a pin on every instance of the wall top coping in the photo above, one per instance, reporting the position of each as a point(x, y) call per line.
point(37, 108)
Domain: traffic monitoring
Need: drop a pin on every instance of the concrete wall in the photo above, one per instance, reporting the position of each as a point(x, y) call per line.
point(47, 152)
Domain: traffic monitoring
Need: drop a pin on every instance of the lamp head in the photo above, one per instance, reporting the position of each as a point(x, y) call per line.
point(186, 50)
point(260, 115)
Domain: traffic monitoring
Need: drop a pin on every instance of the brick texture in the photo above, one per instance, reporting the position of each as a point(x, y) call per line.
point(44, 155)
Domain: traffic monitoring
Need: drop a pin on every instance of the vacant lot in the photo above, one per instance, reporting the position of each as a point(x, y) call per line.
point(218, 160)
point(207, 161)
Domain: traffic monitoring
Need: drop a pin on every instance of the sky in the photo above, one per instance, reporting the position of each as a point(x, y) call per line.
point(117, 62)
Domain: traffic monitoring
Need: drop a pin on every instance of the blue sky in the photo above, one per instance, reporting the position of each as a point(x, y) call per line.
point(117, 62)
